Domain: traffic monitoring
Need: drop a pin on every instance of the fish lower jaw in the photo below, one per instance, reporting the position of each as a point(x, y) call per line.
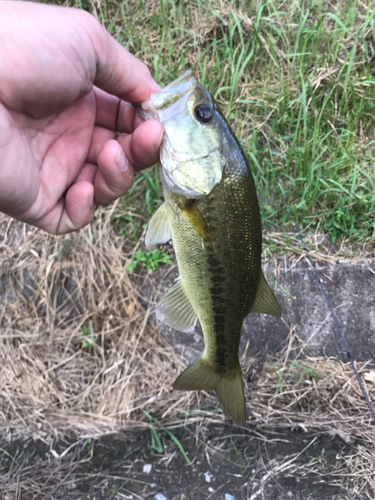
point(176, 188)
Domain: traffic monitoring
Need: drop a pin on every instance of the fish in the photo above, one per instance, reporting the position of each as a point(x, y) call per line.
point(211, 213)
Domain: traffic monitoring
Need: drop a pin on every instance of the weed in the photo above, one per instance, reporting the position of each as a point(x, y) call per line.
point(296, 373)
point(315, 460)
point(89, 444)
point(88, 339)
point(150, 259)
point(66, 250)
point(156, 443)
point(306, 372)
point(295, 82)
point(278, 285)
point(138, 205)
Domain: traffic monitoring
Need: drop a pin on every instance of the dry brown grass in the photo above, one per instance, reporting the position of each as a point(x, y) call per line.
point(50, 384)
point(53, 387)
point(313, 393)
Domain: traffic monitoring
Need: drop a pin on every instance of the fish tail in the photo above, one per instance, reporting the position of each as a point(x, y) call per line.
point(200, 375)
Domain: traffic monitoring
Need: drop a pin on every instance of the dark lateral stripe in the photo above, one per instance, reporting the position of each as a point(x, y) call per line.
point(216, 271)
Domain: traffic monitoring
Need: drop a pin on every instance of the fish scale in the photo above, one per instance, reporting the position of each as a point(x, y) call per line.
point(211, 212)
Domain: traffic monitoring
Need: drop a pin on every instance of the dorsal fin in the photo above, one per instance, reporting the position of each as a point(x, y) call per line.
point(265, 301)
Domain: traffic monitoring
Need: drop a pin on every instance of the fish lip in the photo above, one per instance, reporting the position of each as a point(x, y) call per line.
point(178, 82)
point(173, 92)
point(160, 102)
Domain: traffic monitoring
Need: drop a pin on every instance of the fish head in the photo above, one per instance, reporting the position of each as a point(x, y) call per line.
point(190, 153)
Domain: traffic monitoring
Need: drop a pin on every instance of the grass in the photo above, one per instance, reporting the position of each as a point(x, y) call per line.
point(295, 80)
point(80, 359)
point(79, 355)
point(140, 202)
point(150, 259)
point(156, 443)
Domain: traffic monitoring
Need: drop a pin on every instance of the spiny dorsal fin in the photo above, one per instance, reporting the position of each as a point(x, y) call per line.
point(159, 228)
point(175, 310)
point(265, 301)
point(229, 389)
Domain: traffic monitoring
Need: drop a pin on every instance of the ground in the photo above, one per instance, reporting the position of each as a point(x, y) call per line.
point(86, 408)
point(85, 372)
point(274, 464)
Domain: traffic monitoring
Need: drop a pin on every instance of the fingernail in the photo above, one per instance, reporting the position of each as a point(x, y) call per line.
point(121, 161)
point(91, 201)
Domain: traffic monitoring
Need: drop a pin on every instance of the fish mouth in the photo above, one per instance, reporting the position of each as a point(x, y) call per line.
point(169, 101)
point(174, 91)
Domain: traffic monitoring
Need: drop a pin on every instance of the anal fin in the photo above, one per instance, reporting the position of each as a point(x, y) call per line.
point(265, 301)
point(176, 311)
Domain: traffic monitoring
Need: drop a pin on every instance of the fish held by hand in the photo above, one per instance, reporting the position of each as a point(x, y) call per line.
point(212, 215)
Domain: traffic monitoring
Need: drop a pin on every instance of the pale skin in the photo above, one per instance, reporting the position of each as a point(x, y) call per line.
point(65, 91)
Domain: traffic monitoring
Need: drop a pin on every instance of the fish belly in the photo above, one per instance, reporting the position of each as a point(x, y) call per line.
point(220, 280)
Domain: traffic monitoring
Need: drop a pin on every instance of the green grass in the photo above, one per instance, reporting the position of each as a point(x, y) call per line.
point(150, 259)
point(295, 80)
point(156, 442)
point(138, 205)
point(88, 339)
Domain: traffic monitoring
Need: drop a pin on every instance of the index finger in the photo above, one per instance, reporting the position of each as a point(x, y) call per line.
point(113, 113)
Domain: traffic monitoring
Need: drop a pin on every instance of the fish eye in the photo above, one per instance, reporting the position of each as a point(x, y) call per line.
point(203, 113)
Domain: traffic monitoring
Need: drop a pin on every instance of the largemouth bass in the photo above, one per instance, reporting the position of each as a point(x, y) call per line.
point(211, 212)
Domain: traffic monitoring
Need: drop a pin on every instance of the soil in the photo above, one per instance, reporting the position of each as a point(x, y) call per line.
point(239, 463)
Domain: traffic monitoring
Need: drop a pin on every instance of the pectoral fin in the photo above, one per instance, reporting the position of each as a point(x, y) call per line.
point(198, 222)
point(265, 301)
point(175, 310)
point(159, 228)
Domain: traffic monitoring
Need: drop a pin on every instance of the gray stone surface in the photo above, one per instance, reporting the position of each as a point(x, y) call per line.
point(350, 287)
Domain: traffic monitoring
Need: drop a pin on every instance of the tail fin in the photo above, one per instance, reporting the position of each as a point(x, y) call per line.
point(229, 389)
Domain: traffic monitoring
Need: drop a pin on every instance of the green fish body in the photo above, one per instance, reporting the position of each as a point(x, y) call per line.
point(211, 212)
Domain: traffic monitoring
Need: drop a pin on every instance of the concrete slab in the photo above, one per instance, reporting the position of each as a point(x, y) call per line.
point(350, 287)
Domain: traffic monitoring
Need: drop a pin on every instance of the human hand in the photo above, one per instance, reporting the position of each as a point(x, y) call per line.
point(65, 90)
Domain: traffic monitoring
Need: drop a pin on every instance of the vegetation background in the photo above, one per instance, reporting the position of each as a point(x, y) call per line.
point(295, 80)
point(80, 358)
